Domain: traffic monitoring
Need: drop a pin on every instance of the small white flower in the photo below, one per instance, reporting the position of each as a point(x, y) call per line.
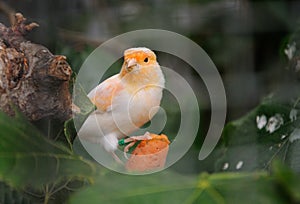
point(239, 165)
point(283, 137)
point(293, 114)
point(290, 50)
point(274, 123)
point(295, 135)
point(261, 121)
point(225, 166)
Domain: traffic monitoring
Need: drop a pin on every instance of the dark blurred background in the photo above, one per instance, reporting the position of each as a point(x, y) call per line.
point(245, 39)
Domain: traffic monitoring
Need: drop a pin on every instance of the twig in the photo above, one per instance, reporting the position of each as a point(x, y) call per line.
point(47, 195)
point(34, 194)
point(78, 37)
point(7, 10)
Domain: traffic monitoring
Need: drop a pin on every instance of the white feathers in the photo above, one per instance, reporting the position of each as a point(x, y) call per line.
point(109, 142)
point(124, 103)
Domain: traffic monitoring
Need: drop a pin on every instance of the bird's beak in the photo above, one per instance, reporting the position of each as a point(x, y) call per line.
point(131, 63)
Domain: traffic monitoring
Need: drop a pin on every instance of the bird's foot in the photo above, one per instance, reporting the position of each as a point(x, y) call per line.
point(132, 140)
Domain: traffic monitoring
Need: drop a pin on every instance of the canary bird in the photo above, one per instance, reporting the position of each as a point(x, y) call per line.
point(126, 101)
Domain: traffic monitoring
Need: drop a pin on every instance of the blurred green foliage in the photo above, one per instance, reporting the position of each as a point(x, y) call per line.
point(243, 141)
point(30, 162)
point(164, 187)
point(247, 40)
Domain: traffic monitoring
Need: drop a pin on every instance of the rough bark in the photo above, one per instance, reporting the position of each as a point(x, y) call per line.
point(31, 77)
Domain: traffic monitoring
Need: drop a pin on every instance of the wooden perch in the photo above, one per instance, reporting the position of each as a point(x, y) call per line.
point(149, 154)
point(31, 77)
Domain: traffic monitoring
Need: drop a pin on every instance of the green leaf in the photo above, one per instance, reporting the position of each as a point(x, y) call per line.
point(9, 195)
point(247, 147)
point(79, 149)
point(168, 187)
point(28, 158)
point(288, 180)
point(70, 132)
point(255, 187)
point(82, 101)
point(85, 107)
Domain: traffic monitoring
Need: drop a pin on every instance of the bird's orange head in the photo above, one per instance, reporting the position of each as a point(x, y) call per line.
point(139, 63)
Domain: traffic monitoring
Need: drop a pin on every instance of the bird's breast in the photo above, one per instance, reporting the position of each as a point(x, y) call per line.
point(132, 110)
point(143, 104)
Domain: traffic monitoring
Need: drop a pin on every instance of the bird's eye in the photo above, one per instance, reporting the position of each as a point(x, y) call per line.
point(146, 59)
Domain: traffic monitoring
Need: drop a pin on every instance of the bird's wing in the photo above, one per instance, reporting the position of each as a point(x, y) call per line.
point(102, 95)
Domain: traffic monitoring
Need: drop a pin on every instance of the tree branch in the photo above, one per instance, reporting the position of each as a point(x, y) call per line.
point(31, 77)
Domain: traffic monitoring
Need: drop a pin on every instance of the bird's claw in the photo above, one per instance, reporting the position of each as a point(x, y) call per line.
point(133, 139)
point(146, 136)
